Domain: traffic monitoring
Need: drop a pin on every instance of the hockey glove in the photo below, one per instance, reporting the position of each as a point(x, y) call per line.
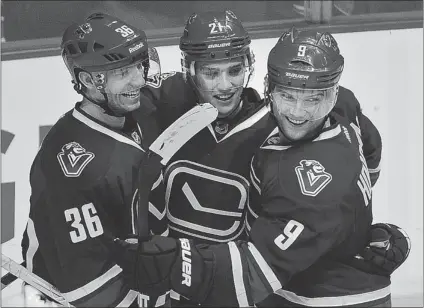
point(163, 263)
point(388, 248)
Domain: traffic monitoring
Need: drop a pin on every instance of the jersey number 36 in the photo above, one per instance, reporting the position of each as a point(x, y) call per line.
point(89, 221)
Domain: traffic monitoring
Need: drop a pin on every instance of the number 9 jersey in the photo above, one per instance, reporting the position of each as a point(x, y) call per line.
point(83, 184)
point(312, 211)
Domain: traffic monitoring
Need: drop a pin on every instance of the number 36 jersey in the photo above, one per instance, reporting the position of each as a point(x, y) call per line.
point(83, 184)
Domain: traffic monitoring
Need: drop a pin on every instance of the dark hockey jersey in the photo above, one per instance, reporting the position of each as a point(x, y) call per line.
point(348, 107)
point(83, 184)
point(207, 179)
point(309, 213)
point(312, 210)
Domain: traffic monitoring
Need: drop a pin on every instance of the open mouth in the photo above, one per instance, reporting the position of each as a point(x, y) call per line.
point(296, 122)
point(224, 97)
point(131, 94)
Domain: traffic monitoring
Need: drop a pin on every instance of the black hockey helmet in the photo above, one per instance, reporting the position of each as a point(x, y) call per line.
point(212, 36)
point(102, 43)
point(306, 60)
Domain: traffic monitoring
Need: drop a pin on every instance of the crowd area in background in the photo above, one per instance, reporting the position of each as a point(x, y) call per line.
point(25, 20)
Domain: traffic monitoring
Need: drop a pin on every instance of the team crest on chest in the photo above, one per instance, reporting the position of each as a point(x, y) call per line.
point(73, 159)
point(312, 177)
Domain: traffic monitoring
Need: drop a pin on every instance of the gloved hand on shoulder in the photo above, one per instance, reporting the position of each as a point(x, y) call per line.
point(388, 248)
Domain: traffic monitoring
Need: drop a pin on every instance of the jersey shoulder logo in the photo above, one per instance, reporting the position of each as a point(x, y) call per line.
point(155, 81)
point(73, 159)
point(312, 177)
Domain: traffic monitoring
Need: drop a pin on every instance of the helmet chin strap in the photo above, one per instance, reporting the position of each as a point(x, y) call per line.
point(103, 105)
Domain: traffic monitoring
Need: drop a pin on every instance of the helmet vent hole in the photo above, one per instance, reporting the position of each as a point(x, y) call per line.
point(113, 57)
point(97, 46)
point(238, 42)
point(83, 46)
point(300, 64)
point(96, 16)
point(199, 47)
point(71, 49)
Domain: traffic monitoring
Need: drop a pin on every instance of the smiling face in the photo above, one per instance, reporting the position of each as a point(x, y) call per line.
point(123, 87)
point(300, 112)
point(220, 83)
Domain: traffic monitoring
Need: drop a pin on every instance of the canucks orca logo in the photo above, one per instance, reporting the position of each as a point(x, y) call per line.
point(155, 81)
point(73, 159)
point(312, 177)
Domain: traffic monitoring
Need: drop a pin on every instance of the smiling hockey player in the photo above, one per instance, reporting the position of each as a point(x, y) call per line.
point(238, 272)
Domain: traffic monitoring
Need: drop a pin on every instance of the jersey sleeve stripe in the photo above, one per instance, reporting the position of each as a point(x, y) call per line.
point(375, 170)
point(93, 285)
point(273, 281)
point(128, 299)
point(345, 300)
point(252, 170)
point(251, 211)
point(248, 227)
point(254, 183)
point(165, 233)
point(161, 301)
point(33, 245)
point(175, 295)
point(237, 269)
point(158, 181)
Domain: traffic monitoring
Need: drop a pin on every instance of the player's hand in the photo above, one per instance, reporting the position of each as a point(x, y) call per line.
point(147, 266)
point(34, 298)
point(388, 248)
point(160, 264)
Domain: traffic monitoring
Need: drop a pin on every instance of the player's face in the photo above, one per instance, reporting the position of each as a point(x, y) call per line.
point(300, 112)
point(221, 83)
point(123, 87)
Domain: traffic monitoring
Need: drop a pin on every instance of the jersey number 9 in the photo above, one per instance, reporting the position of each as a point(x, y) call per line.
point(89, 220)
point(290, 233)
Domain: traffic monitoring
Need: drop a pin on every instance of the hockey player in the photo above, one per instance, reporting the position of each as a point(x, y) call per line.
point(207, 180)
point(243, 273)
point(84, 177)
point(311, 177)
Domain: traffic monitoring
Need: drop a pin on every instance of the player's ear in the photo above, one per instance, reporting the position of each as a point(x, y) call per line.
point(87, 80)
